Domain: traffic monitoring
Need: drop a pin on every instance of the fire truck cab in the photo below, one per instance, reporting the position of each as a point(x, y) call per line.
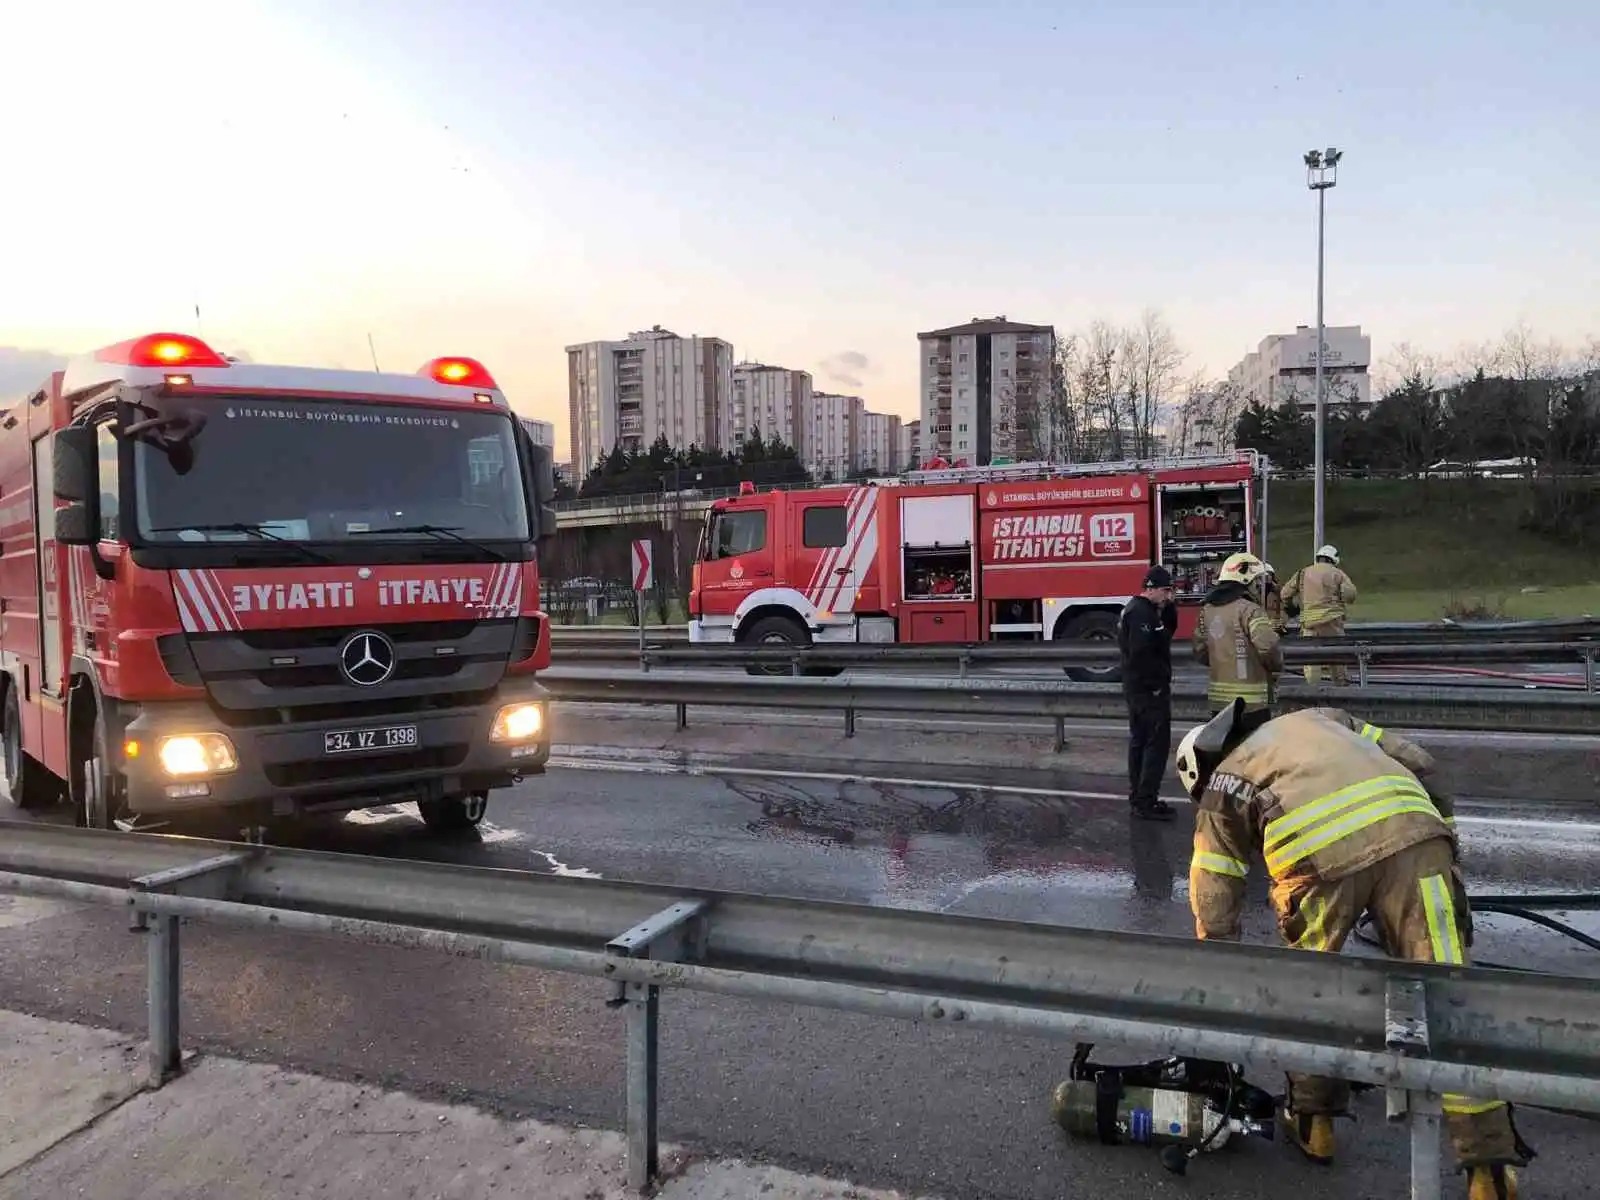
point(1031, 551)
point(274, 591)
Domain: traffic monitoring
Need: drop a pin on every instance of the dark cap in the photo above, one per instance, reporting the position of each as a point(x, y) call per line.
point(1158, 577)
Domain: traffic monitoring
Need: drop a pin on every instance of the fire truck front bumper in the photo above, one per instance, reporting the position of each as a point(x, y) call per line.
point(179, 758)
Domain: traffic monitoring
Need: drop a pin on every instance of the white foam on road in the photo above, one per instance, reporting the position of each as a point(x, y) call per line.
point(489, 833)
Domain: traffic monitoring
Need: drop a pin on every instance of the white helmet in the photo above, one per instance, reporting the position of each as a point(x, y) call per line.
point(1204, 746)
point(1331, 553)
point(1242, 568)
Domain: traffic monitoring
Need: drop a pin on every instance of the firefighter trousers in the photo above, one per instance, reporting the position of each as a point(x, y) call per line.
point(1339, 673)
point(1419, 906)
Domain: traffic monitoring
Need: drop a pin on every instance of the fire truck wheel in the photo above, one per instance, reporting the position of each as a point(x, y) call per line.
point(1091, 627)
point(95, 785)
point(454, 814)
point(25, 778)
point(775, 633)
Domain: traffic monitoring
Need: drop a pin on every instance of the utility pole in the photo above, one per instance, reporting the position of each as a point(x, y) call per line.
point(1321, 174)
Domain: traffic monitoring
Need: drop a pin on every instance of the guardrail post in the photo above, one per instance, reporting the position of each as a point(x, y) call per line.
point(673, 935)
point(1406, 1032)
point(1363, 664)
point(1589, 671)
point(683, 716)
point(1061, 734)
point(849, 721)
point(962, 664)
point(165, 978)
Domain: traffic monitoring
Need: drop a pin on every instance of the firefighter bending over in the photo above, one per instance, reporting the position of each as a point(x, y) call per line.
point(1236, 638)
point(1322, 594)
point(1347, 826)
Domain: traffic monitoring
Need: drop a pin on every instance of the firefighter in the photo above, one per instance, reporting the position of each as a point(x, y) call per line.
point(1322, 593)
point(1348, 825)
point(1237, 639)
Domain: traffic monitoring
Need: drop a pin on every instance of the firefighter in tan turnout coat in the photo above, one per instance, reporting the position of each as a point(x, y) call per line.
point(1323, 594)
point(1342, 815)
point(1237, 639)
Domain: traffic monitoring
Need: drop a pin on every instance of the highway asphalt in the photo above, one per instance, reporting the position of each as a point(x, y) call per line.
point(937, 1110)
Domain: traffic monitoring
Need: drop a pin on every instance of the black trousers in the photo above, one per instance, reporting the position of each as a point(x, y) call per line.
point(1149, 743)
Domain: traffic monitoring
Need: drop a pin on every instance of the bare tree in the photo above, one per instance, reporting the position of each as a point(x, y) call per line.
point(1151, 359)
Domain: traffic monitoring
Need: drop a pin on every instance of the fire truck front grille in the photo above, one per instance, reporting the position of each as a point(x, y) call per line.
point(271, 671)
point(324, 771)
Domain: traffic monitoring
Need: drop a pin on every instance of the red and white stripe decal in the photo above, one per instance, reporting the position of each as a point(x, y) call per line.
point(823, 581)
point(843, 597)
point(203, 604)
point(503, 596)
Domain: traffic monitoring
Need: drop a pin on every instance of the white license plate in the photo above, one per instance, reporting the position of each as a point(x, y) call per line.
point(386, 737)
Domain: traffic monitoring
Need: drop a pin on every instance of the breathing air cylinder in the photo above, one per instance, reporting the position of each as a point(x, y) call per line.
point(1142, 1115)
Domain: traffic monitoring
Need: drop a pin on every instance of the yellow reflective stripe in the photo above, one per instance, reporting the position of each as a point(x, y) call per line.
point(1439, 906)
point(1315, 936)
point(1322, 836)
point(1228, 691)
point(1293, 822)
point(1219, 864)
point(1467, 1106)
point(1319, 614)
point(1258, 621)
point(1373, 733)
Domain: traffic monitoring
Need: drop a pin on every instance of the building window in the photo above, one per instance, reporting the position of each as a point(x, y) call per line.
point(824, 525)
point(962, 357)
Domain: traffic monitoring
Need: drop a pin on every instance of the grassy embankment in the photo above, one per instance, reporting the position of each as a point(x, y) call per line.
point(1419, 550)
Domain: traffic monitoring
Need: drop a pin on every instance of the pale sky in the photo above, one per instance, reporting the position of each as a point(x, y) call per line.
point(814, 182)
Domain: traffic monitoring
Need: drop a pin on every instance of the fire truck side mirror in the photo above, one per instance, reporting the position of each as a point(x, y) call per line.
point(76, 526)
point(77, 465)
point(541, 466)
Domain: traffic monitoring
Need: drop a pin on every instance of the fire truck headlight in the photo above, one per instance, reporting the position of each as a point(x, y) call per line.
point(517, 723)
point(186, 755)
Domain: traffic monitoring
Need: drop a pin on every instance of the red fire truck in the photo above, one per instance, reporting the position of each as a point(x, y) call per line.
point(271, 590)
point(1027, 551)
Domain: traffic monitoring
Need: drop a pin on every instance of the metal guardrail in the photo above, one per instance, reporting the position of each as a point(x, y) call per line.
point(1418, 1029)
point(1490, 709)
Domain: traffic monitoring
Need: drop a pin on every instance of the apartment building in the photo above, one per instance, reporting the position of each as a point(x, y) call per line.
point(878, 443)
point(543, 433)
point(910, 452)
point(771, 400)
point(833, 438)
point(1283, 368)
point(652, 384)
point(983, 391)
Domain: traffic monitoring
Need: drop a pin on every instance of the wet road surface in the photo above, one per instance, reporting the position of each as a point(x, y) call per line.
point(942, 1110)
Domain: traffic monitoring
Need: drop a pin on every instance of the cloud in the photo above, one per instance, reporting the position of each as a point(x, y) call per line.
point(848, 368)
point(23, 370)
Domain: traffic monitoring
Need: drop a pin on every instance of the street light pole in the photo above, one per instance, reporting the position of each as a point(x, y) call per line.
point(1321, 174)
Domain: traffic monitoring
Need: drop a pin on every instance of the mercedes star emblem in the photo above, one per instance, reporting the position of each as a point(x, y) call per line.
point(367, 658)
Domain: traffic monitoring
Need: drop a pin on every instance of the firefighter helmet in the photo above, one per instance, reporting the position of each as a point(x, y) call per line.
point(1204, 746)
point(1240, 568)
point(1331, 553)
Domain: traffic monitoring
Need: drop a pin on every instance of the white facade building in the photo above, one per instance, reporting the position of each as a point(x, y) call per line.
point(910, 452)
point(1283, 369)
point(652, 384)
point(983, 389)
point(543, 433)
point(832, 436)
point(772, 400)
point(878, 443)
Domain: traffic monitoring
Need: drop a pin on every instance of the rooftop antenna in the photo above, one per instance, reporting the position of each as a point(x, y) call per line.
point(374, 351)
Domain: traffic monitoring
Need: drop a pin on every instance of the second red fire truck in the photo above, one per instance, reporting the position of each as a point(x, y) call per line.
point(1026, 552)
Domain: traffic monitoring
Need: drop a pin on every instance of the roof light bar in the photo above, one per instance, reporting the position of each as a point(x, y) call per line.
point(162, 350)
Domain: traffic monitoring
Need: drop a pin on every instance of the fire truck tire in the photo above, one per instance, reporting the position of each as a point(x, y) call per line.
point(26, 783)
point(775, 632)
point(454, 814)
point(1091, 627)
point(96, 808)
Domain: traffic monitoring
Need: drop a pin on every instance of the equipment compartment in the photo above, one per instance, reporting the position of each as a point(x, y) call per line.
point(1199, 525)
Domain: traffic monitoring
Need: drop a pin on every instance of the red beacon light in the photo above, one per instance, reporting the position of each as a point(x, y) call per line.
point(747, 488)
point(463, 372)
point(175, 350)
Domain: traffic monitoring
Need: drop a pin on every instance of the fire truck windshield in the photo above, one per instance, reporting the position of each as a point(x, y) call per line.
point(320, 471)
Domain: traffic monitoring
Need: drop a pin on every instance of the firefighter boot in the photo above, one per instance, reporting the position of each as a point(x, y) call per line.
point(1491, 1183)
point(1311, 1134)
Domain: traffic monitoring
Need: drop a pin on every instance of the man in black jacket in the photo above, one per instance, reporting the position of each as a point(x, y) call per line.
point(1144, 635)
